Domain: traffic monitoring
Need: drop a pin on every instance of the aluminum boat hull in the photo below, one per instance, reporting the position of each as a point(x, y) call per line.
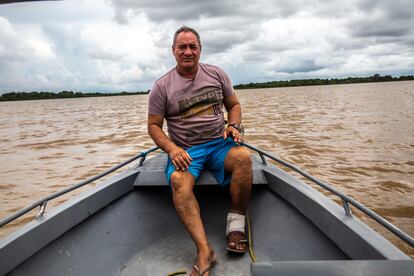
point(128, 226)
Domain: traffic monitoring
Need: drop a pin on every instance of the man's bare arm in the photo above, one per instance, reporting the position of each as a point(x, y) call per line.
point(179, 157)
point(155, 124)
point(233, 108)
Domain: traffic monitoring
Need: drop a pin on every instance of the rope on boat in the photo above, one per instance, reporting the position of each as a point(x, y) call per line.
point(179, 272)
point(250, 240)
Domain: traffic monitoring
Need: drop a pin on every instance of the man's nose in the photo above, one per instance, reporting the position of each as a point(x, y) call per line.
point(187, 51)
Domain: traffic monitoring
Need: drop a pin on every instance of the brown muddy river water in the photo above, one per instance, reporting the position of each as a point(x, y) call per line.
point(357, 137)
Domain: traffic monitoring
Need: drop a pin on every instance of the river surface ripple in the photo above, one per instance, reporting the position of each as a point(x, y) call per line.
point(357, 137)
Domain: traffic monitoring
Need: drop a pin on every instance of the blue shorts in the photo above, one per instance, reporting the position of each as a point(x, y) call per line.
point(209, 156)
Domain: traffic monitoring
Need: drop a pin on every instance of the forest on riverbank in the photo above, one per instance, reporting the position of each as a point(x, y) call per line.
point(308, 82)
point(35, 95)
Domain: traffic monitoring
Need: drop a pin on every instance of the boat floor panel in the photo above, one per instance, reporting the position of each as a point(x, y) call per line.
point(177, 252)
point(140, 234)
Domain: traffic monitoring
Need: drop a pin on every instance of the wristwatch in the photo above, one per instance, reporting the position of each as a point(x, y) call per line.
point(236, 126)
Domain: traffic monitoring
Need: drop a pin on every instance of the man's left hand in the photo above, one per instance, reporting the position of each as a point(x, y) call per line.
point(233, 133)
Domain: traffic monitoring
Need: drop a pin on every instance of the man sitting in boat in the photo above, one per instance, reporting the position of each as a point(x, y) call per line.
point(190, 97)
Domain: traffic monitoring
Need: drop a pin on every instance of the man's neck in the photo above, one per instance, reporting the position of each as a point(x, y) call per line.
point(188, 74)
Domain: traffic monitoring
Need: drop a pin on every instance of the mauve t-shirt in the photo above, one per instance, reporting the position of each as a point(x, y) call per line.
point(193, 108)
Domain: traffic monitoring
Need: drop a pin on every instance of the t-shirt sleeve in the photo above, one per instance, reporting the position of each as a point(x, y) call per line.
point(227, 85)
point(157, 101)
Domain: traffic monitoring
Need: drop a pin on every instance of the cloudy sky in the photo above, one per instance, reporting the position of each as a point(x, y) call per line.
point(122, 45)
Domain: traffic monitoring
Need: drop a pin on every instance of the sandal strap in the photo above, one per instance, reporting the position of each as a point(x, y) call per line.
point(205, 270)
point(197, 270)
point(241, 241)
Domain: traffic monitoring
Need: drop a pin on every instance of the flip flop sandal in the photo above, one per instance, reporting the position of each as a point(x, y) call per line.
point(205, 270)
point(235, 250)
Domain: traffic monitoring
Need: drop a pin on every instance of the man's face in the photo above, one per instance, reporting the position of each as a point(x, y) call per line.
point(186, 51)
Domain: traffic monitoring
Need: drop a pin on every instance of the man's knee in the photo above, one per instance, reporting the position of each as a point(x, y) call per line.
point(244, 157)
point(181, 181)
point(239, 158)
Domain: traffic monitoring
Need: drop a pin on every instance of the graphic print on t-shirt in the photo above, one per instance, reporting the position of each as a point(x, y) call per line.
point(206, 102)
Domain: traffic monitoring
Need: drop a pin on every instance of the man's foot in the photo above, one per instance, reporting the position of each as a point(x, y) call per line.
point(206, 259)
point(236, 242)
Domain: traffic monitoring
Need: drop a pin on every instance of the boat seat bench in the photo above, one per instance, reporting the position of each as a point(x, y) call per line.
point(151, 176)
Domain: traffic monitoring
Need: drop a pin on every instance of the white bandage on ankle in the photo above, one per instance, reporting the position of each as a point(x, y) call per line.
point(235, 222)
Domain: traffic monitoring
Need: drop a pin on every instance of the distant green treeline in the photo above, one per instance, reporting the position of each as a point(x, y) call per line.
point(19, 96)
point(307, 82)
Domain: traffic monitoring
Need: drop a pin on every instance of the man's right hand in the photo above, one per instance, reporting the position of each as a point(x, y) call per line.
point(180, 158)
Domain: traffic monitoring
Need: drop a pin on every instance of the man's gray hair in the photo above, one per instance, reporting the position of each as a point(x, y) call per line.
point(186, 29)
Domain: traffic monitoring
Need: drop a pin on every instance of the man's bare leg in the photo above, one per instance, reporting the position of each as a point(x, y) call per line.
point(188, 210)
point(239, 163)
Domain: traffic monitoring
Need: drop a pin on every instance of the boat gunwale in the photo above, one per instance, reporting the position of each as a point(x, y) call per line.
point(346, 199)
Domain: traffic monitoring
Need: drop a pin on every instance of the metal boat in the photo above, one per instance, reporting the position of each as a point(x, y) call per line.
point(127, 225)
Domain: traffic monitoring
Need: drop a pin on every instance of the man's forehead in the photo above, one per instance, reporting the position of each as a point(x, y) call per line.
point(186, 38)
point(187, 42)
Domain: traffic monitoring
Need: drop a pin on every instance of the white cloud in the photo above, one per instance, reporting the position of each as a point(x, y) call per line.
point(117, 45)
point(41, 48)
